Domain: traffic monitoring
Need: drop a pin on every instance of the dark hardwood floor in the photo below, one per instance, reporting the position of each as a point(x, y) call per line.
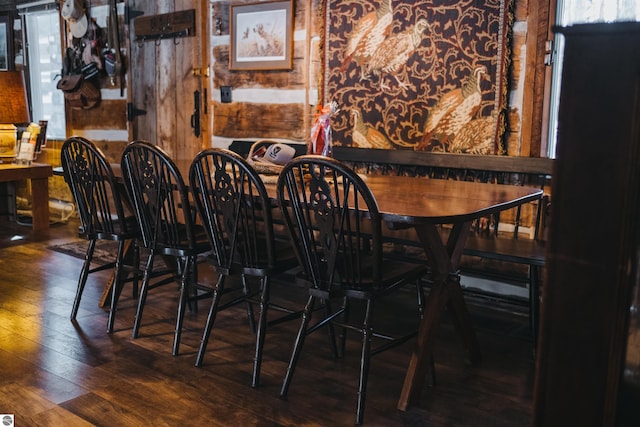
point(57, 373)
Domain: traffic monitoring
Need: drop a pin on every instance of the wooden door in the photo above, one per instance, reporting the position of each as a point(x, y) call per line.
point(164, 75)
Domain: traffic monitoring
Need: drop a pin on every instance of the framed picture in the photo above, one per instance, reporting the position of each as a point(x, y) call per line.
point(261, 36)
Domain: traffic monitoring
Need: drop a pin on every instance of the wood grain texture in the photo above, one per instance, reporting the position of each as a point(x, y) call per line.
point(54, 372)
point(244, 120)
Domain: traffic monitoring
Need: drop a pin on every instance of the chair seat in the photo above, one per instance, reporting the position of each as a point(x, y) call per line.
point(201, 243)
point(130, 231)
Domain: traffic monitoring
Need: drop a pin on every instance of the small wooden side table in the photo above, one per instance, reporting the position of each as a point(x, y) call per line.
point(38, 174)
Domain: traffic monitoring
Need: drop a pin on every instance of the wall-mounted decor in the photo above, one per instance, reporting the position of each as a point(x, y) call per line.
point(428, 75)
point(261, 36)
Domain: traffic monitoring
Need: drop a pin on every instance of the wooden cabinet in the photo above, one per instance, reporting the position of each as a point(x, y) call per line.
point(594, 241)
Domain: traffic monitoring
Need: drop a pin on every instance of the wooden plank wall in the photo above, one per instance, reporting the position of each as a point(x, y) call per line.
point(267, 104)
point(163, 82)
point(255, 112)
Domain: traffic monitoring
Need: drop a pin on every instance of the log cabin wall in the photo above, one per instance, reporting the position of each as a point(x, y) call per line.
point(280, 104)
point(266, 104)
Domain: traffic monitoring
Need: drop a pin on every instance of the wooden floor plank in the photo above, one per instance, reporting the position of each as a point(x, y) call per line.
point(57, 372)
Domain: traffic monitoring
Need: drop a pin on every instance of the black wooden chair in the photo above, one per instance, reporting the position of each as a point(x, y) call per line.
point(336, 230)
point(102, 216)
point(237, 215)
point(166, 219)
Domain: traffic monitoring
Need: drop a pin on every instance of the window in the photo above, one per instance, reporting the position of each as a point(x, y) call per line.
point(44, 63)
point(571, 12)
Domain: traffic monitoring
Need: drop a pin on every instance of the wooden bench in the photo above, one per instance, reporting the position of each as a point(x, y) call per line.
point(507, 248)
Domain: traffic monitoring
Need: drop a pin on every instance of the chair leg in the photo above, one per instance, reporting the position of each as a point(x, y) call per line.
point(192, 295)
point(302, 333)
point(262, 329)
point(117, 287)
point(82, 280)
point(136, 266)
point(143, 295)
point(365, 361)
point(250, 314)
point(420, 292)
point(185, 296)
point(337, 353)
point(342, 341)
point(534, 304)
point(211, 318)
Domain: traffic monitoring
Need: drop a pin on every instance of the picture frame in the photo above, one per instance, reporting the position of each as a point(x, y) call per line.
point(261, 36)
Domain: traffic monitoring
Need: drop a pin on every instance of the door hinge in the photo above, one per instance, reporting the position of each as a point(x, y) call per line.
point(130, 14)
point(548, 52)
point(132, 112)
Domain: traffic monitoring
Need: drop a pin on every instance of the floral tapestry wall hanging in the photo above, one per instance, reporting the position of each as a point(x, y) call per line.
point(423, 75)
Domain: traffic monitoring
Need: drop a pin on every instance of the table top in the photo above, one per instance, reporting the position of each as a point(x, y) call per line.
point(411, 200)
point(424, 200)
point(12, 172)
point(415, 200)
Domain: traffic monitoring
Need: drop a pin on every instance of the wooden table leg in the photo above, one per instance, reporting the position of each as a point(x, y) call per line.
point(444, 261)
point(109, 285)
point(40, 204)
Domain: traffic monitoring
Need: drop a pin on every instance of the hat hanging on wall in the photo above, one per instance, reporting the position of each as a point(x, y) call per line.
point(74, 13)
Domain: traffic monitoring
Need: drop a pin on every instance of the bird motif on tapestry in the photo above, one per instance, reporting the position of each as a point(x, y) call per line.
point(477, 136)
point(454, 109)
point(367, 34)
point(365, 135)
point(394, 52)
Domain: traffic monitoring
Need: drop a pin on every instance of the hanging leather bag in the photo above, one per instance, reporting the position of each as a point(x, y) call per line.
point(79, 92)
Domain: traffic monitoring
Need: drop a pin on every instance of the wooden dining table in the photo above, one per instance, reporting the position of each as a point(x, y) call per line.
point(425, 205)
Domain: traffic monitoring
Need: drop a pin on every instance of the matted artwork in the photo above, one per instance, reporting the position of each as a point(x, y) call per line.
point(261, 36)
point(425, 75)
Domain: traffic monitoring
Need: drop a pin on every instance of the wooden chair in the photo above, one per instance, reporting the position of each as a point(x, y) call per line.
point(102, 215)
point(166, 218)
point(336, 230)
point(236, 212)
